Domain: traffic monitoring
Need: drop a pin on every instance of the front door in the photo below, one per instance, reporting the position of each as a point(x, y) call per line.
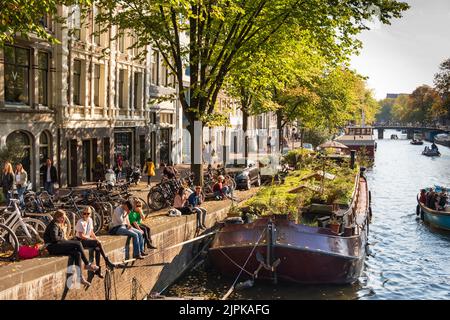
point(165, 146)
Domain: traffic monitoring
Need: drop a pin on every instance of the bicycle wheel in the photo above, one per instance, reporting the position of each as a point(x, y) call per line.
point(97, 215)
point(26, 234)
point(158, 200)
point(9, 245)
point(37, 224)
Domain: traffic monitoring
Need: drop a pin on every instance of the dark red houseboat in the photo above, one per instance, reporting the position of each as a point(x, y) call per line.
point(275, 248)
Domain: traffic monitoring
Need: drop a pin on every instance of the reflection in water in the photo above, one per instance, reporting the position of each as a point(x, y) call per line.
point(408, 260)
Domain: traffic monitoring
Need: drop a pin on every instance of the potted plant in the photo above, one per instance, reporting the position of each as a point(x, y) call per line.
point(334, 224)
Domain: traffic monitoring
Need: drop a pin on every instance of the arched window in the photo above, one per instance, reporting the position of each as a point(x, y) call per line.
point(24, 139)
point(44, 146)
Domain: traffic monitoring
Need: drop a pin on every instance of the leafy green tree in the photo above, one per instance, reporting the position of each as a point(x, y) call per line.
point(385, 112)
point(24, 17)
point(209, 36)
point(13, 152)
point(442, 85)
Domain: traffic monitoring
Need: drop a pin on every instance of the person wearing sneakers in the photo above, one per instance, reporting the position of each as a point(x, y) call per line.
point(56, 244)
point(195, 200)
point(120, 225)
point(85, 234)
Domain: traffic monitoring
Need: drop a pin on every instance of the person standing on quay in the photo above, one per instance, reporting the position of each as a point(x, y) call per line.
point(21, 178)
point(7, 181)
point(50, 176)
point(150, 168)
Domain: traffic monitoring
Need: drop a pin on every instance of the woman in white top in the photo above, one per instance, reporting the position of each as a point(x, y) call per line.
point(85, 234)
point(20, 180)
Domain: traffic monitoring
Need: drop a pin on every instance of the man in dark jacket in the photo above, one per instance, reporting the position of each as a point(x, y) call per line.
point(49, 175)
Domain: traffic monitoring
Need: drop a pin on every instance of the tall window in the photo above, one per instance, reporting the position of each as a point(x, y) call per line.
point(164, 75)
point(137, 89)
point(121, 40)
point(121, 88)
point(96, 84)
point(42, 71)
point(17, 74)
point(155, 68)
point(44, 146)
point(77, 82)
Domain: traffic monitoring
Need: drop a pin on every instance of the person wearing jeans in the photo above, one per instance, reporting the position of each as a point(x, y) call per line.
point(49, 175)
point(195, 200)
point(121, 226)
point(20, 177)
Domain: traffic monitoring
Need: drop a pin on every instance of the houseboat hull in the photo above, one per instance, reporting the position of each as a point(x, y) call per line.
point(294, 253)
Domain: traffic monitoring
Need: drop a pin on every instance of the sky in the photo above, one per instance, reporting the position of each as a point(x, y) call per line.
point(399, 57)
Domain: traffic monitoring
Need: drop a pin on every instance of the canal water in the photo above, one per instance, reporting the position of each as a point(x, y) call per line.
point(408, 260)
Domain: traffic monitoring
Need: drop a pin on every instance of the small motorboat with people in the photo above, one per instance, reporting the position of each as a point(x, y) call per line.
point(394, 137)
point(432, 151)
point(274, 247)
point(416, 142)
point(433, 207)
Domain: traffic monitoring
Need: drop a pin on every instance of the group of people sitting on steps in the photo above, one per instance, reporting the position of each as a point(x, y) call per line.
point(126, 220)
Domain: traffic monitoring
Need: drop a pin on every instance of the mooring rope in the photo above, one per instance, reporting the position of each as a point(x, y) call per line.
point(243, 267)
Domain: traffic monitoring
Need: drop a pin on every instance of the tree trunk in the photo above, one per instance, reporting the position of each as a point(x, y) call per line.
point(280, 129)
point(196, 153)
point(244, 129)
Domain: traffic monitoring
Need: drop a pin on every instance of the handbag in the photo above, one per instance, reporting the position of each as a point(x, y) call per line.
point(28, 252)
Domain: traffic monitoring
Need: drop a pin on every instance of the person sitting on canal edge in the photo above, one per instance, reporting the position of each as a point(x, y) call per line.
point(220, 190)
point(120, 225)
point(56, 244)
point(136, 216)
point(180, 202)
point(195, 200)
point(85, 234)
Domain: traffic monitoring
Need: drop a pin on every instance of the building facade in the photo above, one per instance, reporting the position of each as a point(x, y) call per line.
point(89, 96)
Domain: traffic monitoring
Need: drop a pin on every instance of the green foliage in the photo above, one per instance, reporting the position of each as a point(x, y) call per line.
point(276, 199)
point(293, 156)
point(23, 17)
point(385, 113)
point(12, 152)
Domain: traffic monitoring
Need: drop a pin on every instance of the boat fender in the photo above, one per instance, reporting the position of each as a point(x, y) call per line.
point(370, 215)
point(370, 197)
point(244, 285)
point(417, 210)
point(421, 215)
point(368, 250)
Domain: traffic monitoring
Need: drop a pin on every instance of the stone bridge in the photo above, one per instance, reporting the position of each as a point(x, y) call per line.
point(428, 131)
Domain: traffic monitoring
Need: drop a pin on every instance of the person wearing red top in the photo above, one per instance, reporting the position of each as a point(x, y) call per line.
point(423, 196)
point(220, 191)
